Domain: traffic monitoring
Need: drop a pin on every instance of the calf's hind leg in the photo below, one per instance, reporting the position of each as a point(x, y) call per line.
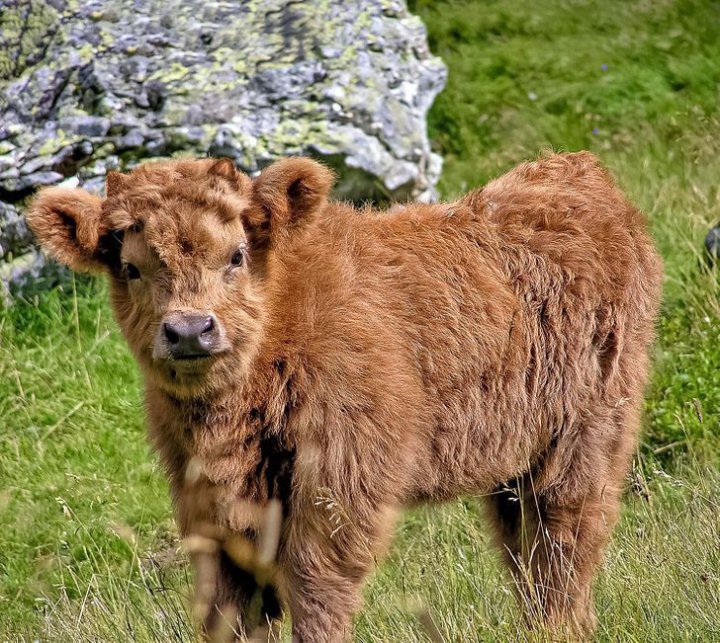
point(553, 545)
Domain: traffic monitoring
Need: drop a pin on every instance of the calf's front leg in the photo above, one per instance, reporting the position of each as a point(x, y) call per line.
point(235, 591)
point(228, 601)
point(323, 567)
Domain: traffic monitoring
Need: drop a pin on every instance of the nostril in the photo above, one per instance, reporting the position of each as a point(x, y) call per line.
point(171, 334)
point(208, 325)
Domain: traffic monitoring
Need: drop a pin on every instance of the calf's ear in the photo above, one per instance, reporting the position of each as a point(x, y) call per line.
point(114, 182)
point(67, 223)
point(290, 191)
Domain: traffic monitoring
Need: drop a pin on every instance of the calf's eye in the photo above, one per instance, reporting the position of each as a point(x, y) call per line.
point(238, 258)
point(130, 272)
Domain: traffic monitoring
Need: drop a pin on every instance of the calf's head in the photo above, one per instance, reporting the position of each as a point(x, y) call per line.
point(186, 246)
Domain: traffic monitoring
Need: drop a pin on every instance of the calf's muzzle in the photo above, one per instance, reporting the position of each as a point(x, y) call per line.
point(188, 335)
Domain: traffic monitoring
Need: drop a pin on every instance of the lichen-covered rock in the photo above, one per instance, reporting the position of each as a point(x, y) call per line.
point(90, 86)
point(15, 237)
point(252, 80)
point(23, 268)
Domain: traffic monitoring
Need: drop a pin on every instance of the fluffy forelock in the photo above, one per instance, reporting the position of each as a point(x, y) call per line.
point(152, 190)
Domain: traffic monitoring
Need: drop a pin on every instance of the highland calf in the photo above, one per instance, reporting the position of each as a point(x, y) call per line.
point(300, 353)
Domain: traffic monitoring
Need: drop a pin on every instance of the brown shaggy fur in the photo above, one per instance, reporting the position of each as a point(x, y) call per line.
point(497, 346)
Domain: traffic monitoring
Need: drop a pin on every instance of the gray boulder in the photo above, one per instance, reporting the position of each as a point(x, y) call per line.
point(91, 86)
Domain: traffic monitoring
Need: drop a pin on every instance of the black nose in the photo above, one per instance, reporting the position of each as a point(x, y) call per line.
point(190, 335)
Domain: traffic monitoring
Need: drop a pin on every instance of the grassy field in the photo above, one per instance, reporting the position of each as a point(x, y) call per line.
point(87, 542)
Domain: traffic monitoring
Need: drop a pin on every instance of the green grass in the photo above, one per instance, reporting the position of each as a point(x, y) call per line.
point(87, 538)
